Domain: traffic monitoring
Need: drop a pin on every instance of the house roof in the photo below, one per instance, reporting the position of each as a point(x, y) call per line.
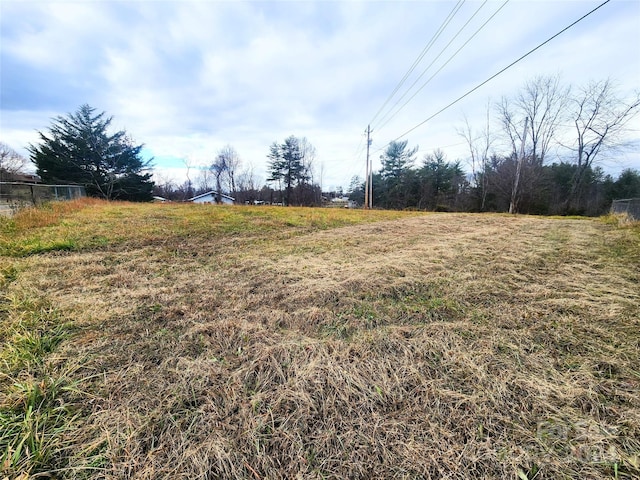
point(213, 194)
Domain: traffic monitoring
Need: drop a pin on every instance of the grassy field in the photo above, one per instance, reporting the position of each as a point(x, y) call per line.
point(204, 342)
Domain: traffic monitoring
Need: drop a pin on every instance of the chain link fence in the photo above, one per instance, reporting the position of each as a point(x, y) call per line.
point(627, 206)
point(14, 195)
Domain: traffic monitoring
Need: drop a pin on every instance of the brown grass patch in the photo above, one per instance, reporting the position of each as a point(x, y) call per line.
point(433, 346)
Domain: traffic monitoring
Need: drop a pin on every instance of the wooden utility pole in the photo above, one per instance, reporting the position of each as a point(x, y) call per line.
point(514, 193)
point(370, 167)
point(368, 182)
point(366, 175)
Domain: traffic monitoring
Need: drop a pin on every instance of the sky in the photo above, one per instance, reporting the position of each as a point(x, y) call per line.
point(187, 78)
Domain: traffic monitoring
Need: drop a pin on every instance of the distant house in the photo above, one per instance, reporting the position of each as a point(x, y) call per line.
point(343, 202)
point(210, 197)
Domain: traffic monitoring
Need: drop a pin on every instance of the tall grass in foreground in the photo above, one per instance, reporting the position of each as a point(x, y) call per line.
point(33, 412)
point(37, 410)
point(184, 341)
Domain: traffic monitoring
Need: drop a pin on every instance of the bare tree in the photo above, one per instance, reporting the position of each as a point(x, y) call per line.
point(225, 170)
point(321, 176)
point(309, 155)
point(246, 185)
point(513, 205)
point(542, 100)
point(204, 180)
point(188, 163)
point(164, 186)
point(11, 162)
point(540, 104)
point(233, 165)
point(479, 146)
point(218, 169)
point(600, 117)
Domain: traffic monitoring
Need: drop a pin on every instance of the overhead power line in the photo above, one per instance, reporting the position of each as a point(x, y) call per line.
point(358, 148)
point(496, 74)
point(444, 64)
point(425, 50)
point(386, 115)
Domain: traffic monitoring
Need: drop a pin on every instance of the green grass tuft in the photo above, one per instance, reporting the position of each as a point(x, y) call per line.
point(32, 424)
point(33, 412)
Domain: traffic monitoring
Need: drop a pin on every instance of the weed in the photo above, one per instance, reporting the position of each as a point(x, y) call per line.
point(8, 274)
point(33, 422)
point(33, 413)
point(341, 330)
point(528, 474)
point(30, 330)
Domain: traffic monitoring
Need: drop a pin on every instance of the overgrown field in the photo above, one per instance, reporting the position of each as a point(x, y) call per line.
point(204, 342)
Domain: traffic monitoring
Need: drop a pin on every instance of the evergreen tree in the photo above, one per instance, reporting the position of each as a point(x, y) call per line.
point(356, 190)
point(628, 184)
point(439, 180)
point(397, 161)
point(79, 150)
point(287, 167)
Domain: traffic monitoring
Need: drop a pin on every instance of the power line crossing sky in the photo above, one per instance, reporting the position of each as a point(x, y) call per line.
point(187, 78)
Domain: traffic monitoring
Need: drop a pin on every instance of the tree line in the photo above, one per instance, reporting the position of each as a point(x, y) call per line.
point(291, 177)
point(436, 184)
point(542, 159)
point(80, 149)
point(539, 152)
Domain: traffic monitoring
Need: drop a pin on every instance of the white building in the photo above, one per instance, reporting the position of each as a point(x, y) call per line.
point(210, 197)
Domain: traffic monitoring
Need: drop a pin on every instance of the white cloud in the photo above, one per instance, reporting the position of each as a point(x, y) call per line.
point(187, 78)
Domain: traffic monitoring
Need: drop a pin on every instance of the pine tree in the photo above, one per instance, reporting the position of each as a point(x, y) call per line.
point(287, 166)
point(79, 150)
point(397, 161)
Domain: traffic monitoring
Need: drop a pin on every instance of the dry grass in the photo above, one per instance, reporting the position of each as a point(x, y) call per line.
point(299, 343)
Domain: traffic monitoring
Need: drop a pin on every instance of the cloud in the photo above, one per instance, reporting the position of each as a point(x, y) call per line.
point(187, 78)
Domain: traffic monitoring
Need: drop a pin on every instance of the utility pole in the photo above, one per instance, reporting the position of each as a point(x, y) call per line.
point(366, 175)
point(514, 194)
point(369, 140)
point(368, 185)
